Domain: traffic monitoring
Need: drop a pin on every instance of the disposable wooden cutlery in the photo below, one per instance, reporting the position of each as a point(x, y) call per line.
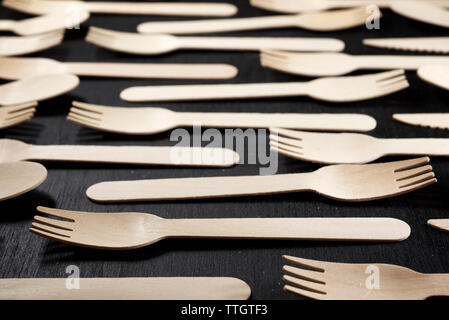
point(154, 120)
point(131, 230)
point(164, 288)
point(339, 182)
point(336, 64)
point(422, 11)
point(425, 44)
point(135, 43)
point(437, 75)
point(37, 88)
point(44, 24)
point(350, 281)
point(432, 120)
point(332, 148)
point(13, 46)
point(440, 224)
point(315, 21)
point(14, 115)
point(13, 68)
point(15, 150)
point(337, 89)
point(295, 6)
point(207, 9)
point(17, 178)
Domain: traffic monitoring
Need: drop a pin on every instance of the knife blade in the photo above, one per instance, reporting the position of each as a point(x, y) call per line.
point(434, 44)
point(441, 224)
point(432, 120)
point(166, 288)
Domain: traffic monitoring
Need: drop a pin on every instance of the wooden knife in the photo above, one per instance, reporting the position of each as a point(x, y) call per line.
point(432, 120)
point(194, 288)
point(430, 44)
point(441, 224)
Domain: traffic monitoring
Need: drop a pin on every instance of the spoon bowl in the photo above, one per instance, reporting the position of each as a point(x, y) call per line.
point(435, 74)
point(17, 178)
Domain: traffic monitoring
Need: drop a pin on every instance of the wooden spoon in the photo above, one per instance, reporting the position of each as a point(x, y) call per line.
point(37, 88)
point(437, 75)
point(17, 178)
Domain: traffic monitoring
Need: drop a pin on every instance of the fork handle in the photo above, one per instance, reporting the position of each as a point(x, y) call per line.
point(360, 229)
point(6, 25)
point(153, 70)
point(219, 25)
point(173, 156)
point(198, 188)
point(214, 91)
point(420, 146)
point(323, 121)
point(398, 62)
point(234, 43)
point(172, 9)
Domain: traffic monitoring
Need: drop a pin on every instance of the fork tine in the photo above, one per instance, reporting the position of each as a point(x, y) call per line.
point(417, 179)
point(391, 81)
point(385, 90)
point(91, 107)
point(389, 74)
point(55, 223)
point(49, 229)
point(27, 114)
point(49, 235)
point(84, 119)
point(314, 276)
point(419, 185)
point(8, 124)
point(411, 163)
point(287, 149)
point(286, 153)
point(83, 122)
point(286, 141)
point(20, 107)
point(84, 114)
point(305, 284)
point(304, 293)
point(410, 173)
point(69, 215)
point(287, 133)
point(313, 264)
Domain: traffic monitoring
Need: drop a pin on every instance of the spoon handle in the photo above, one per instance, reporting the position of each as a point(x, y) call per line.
point(172, 156)
point(219, 25)
point(6, 25)
point(214, 91)
point(172, 9)
point(361, 229)
point(198, 188)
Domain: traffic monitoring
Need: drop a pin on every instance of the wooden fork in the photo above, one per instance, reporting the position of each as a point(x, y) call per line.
point(39, 7)
point(349, 281)
point(45, 23)
point(295, 6)
point(14, 115)
point(154, 120)
point(338, 182)
point(15, 150)
point(131, 230)
point(13, 46)
point(332, 148)
point(135, 43)
point(315, 21)
point(336, 64)
point(337, 89)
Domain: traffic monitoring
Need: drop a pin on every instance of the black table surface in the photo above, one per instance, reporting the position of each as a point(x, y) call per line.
point(259, 263)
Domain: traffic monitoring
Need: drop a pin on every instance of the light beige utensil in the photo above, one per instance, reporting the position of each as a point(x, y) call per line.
point(339, 182)
point(422, 11)
point(440, 224)
point(207, 9)
point(437, 75)
point(15, 150)
point(14, 115)
point(295, 6)
point(37, 88)
point(165, 288)
point(45, 23)
point(371, 281)
point(13, 68)
point(154, 120)
point(17, 178)
point(315, 21)
point(432, 120)
point(336, 64)
point(162, 43)
point(131, 230)
point(338, 89)
point(333, 148)
point(13, 46)
point(424, 44)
